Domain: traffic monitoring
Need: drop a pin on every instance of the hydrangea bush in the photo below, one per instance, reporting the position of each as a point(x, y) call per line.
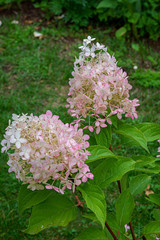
point(62, 169)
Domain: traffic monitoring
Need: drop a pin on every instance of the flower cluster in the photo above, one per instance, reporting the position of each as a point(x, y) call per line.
point(45, 152)
point(99, 88)
point(158, 149)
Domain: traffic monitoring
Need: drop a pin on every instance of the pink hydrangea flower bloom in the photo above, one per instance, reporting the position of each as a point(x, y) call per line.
point(99, 88)
point(46, 152)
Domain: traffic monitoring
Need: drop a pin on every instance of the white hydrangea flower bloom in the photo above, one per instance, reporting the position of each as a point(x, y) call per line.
point(46, 153)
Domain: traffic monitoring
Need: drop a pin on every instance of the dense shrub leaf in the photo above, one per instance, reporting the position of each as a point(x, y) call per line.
point(95, 200)
point(28, 198)
point(56, 210)
point(124, 182)
point(91, 233)
point(155, 198)
point(91, 216)
point(134, 18)
point(156, 214)
point(147, 164)
point(148, 170)
point(115, 120)
point(150, 130)
point(143, 160)
point(135, 46)
point(139, 183)
point(112, 169)
point(107, 4)
point(152, 227)
point(134, 134)
point(98, 152)
point(121, 32)
point(104, 137)
point(124, 208)
point(112, 222)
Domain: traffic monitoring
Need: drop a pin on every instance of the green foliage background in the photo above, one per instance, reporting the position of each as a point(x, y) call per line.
point(137, 17)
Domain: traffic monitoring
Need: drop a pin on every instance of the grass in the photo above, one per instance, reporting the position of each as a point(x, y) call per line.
point(34, 77)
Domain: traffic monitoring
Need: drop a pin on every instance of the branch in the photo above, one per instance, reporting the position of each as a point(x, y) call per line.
point(130, 224)
point(126, 236)
point(116, 147)
point(132, 231)
point(118, 231)
point(119, 186)
point(141, 237)
point(110, 148)
point(79, 203)
point(120, 190)
point(110, 230)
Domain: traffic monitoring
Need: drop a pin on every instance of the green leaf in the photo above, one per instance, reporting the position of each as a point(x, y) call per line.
point(135, 46)
point(104, 137)
point(147, 164)
point(107, 4)
point(56, 210)
point(124, 182)
point(150, 130)
point(91, 233)
point(139, 183)
point(98, 152)
point(104, 172)
point(92, 141)
point(143, 160)
point(152, 227)
point(111, 170)
point(91, 216)
point(95, 200)
point(148, 170)
point(128, 141)
point(156, 214)
point(134, 18)
point(150, 236)
point(28, 198)
point(124, 208)
point(112, 222)
point(155, 198)
point(121, 32)
point(152, 60)
point(134, 134)
point(115, 120)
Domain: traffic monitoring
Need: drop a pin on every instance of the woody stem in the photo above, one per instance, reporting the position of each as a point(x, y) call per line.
point(110, 230)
